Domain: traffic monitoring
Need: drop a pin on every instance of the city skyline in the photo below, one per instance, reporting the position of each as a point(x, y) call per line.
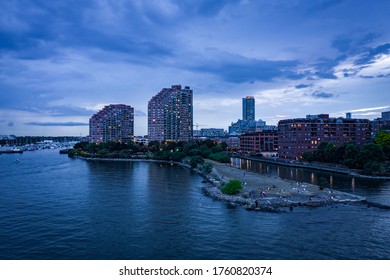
point(62, 61)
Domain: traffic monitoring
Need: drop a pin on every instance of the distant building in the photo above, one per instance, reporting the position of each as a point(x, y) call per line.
point(348, 115)
point(112, 123)
point(248, 124)
point(382, 123)
point(242, 126)
point(7, 137)
point(141, 139)
point(258, 142)
point(233, 142)
point(248, 108)
point(170, 115)
point(296, 136)
point(386, 116)
point(207, 132)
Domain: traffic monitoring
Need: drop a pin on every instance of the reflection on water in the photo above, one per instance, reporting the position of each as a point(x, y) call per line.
point(374, 190)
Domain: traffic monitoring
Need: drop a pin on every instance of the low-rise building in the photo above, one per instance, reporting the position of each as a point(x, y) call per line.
point(259, 142)
point(296, 136)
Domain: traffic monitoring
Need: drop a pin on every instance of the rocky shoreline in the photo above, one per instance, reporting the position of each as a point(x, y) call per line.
point(270, 194)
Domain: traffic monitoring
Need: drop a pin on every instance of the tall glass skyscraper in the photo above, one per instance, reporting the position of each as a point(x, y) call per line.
point(248, 108)
point(170, 115)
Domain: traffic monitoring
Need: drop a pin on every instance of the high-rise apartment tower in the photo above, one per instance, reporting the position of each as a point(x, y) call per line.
point(112, 123)
point(248, 108)
point(170, 115)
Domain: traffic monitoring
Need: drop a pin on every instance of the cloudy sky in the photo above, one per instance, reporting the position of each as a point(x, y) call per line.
point(61, 61)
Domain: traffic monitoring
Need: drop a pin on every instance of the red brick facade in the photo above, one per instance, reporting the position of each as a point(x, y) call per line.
point(297, 136)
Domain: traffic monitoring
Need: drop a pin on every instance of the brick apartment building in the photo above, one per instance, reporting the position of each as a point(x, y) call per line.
point(257, 142)
point(296, 136)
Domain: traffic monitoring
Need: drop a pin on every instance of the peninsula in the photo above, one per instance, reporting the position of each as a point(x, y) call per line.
point(270, 193)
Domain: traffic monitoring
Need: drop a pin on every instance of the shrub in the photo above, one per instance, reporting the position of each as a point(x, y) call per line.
point(207, 167)
point(231, 187)
point(220, 157)
point(372, 167)
point(195, 160)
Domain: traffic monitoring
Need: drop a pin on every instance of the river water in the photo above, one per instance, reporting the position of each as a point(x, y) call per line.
point(54, 207)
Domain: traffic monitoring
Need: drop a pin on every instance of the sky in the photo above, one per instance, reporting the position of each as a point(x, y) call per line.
point(62, 61)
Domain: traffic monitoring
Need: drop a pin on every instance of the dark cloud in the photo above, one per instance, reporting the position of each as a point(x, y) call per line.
point(235, 69)
point(321, 94)
point(66, 110)
point(57, 124)
point(10, 124)
point(324, 68)
point(371, 54)
point(353, 43)
point(325, 75)
point(384, 76)
point(17, 99)
point(300, 86)
point(60, 24)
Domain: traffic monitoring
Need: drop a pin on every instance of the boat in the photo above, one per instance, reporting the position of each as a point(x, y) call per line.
point(11, 151)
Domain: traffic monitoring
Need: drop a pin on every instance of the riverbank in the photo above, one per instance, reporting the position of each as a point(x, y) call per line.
point(269, 193)
point(335, 168)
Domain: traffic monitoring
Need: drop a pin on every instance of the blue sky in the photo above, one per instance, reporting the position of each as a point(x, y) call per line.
point(61, 61)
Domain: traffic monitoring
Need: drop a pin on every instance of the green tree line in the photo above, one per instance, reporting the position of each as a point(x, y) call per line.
point(192, 152)
point(371, 157)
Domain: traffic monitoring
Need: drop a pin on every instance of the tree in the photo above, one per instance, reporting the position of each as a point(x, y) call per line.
point(207, 167)
point(386, 151)
point(154, 146)
point(224, 146)
point(330, 154)
point(221, 157)
point(320, 153)
point(231, 187)
point(308, 156)
point(370, 152)
point(195, 160)
point(382, 138)
point(372, 167)
point(81, 145)
point(91, 147)
point(350, 155)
